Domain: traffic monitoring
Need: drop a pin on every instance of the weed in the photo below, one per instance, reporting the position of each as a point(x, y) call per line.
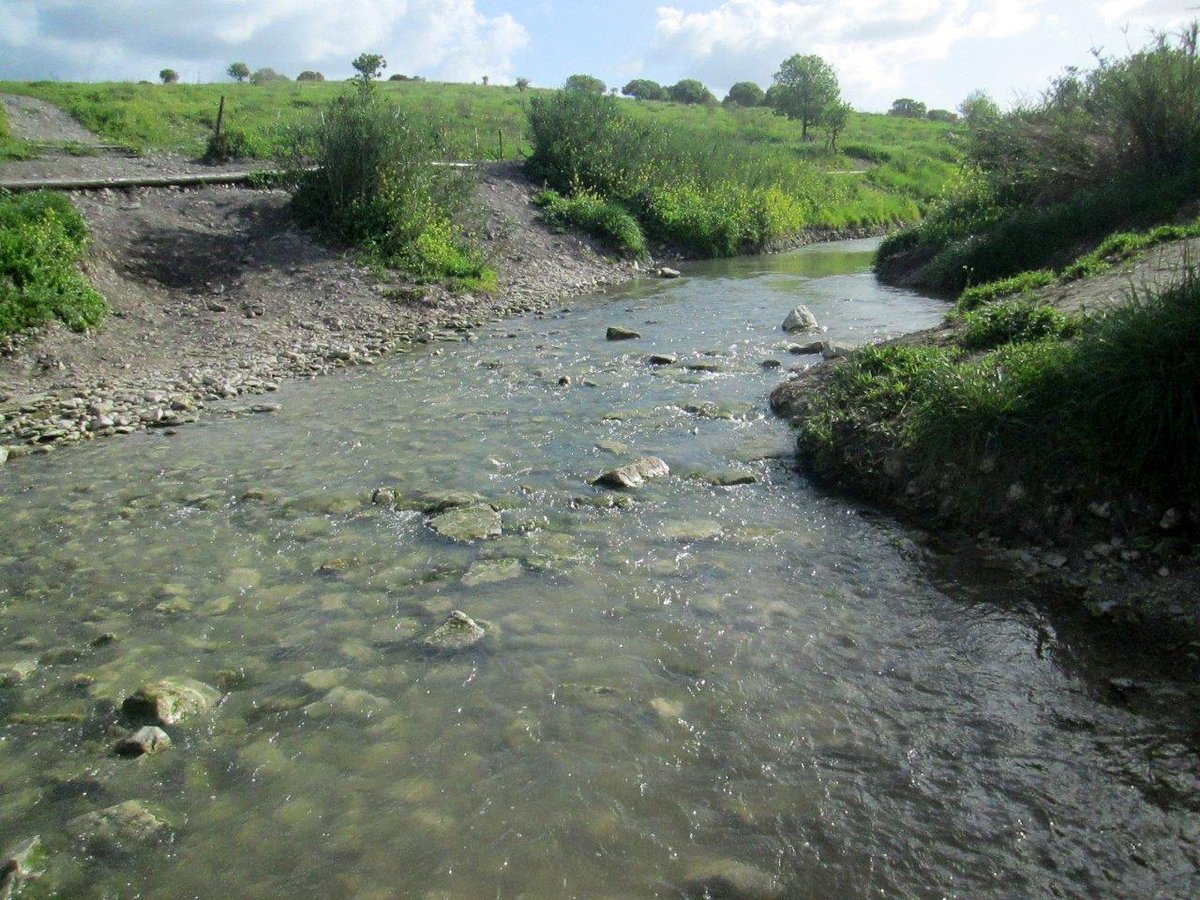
point(1014, 322)
point(610, 222)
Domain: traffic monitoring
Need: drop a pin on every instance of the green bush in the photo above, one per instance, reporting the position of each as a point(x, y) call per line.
point(42, 239)
point(613, 224)
point(367, 174)
point(1013, 322)
point(974, 297)
point(231, 144)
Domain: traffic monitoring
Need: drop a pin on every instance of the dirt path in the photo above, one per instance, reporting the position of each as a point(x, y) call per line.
point(35, 120)
point(215, 293)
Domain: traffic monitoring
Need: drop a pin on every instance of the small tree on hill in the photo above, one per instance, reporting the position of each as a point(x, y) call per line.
point(238, 71)
point(978, 108)
point(746, 93)
point(907, 108)
point(522, 84)
point(689, 91)
point(267, 75)
point(644, 89)
point(806, 86)
point(835, 120)
point(942, 115)
point(168, 76)
point(587, 83)
point(309, 75)
point(369, 66)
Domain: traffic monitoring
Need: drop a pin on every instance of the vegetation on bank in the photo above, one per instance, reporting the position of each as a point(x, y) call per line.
point(1112, 149)
point(1114, 410)
point(695, 188)
point(42, 239)
point(10, 147)
point(588, 213)
point(367, 173)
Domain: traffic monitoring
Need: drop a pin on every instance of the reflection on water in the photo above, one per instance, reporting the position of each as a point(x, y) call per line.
point(751, 688)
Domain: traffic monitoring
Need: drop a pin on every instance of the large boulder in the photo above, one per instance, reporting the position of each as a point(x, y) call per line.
point(459, 632)
point(800, 319)
point(468, 523)
point(119, 828)
point(170, 701)
point(618, 333)
point(634, 474)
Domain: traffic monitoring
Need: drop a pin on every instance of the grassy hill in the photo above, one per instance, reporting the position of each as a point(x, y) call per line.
point(905, 158)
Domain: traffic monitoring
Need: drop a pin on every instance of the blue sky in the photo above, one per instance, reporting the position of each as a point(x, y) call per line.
point(933, 50)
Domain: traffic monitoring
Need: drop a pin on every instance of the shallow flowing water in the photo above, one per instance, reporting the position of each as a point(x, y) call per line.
point(754, 688)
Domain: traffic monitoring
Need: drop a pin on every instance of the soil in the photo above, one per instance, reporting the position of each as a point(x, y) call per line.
point(217, 292)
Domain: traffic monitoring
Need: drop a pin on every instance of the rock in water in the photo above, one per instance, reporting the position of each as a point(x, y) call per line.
point(170, 701)
point(459, 632)
point(146, 741)
point(467, 523)
point(634, 474)
point(836, 349)
point(662, 359)
point(800, 319)
point(617, 333)
point(118, 828)
point(668, 272)
point(17, 866)
point(728, 878)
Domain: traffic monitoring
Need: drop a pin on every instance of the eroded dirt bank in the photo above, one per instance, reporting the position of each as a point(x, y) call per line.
point(216, 293)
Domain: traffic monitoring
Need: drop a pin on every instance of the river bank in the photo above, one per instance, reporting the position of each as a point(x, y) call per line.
point(216, 293)
point(1124, 553)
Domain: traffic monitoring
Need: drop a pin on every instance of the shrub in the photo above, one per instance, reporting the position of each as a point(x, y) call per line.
point(267, 76)
point(42, 239)
point(613, 224)
point(588, 84)
point(746, 93)
point(1014, 322)
point(168, 76)
point(309, 75)
point(230, 144)
point(644, 89)
point(367, 175)
point(974, 297)
point(690, 92)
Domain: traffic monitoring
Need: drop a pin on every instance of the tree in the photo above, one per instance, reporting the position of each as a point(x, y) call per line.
point(835, 120)
point(267, 75)
point(309, 75)
point(806, 87)
point(484, 80)
point(942, 115)
point(907, 108)
point(746, 93)
point(587, 83)
point(644, 89)
point(690, 92)
point(978, 108)
point(369, 66)
point(238, 71)
point(168, 76)
point(522, 84)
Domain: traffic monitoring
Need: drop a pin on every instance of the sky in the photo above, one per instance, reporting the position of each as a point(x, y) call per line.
point(935, 51)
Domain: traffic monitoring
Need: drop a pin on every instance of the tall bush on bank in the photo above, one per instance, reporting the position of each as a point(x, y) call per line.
point(1113, 147)
point(368, 175)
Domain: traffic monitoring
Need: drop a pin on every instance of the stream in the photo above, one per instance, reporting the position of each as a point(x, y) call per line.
point(747, 689)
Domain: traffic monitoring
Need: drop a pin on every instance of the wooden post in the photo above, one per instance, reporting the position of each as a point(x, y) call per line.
point(220, 119)
point(500, 133)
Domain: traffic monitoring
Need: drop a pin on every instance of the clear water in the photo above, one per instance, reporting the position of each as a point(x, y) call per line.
point(757, 675)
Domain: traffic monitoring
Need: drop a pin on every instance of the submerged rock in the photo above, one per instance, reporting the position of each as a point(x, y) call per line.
point(171, 700)
point(662, 359)
point(343, 701)
point(12, 674)
point(618, 333)
point(468, 523)
point(459, 632)
point(119, 828)
point(634, 474)
point(800, 319)
point(146, 741)
point(806, 349)
point(726, 879)
point(24, 862)
point(490, 571)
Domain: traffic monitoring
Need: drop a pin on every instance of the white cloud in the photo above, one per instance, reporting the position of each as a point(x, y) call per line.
point(870, 43)
point(1152, 13)
point(82, 39)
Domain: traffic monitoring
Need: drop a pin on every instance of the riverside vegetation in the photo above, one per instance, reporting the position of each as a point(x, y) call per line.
point(708, 180)
point(1027, 417)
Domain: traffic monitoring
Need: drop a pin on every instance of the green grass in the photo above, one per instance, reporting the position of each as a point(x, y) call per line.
point(1109, 403)
point(42, 239)
point(611, 223)
point(10, 147)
